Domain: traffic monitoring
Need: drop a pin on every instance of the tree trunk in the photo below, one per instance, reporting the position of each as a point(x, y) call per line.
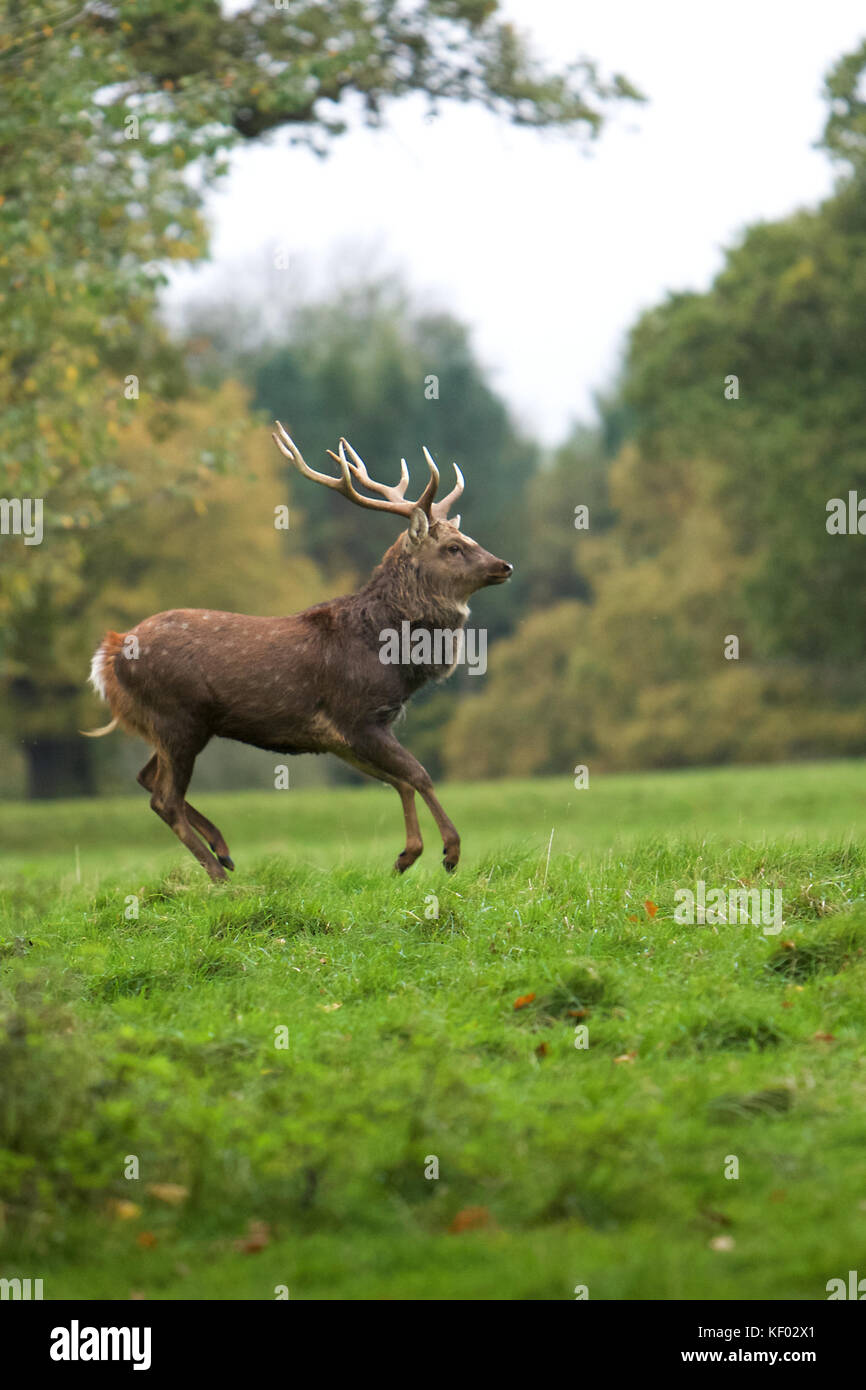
point(59, 765)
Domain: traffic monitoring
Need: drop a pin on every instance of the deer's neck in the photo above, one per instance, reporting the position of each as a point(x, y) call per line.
point(399, 591)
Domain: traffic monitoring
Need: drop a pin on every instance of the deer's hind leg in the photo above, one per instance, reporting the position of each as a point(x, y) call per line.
point(211, 833)
point(174, 765)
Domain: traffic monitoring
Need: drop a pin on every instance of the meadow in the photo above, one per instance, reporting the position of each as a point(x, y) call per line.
point(285, 1062)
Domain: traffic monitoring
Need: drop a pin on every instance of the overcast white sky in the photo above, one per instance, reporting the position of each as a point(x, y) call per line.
point(546, 252)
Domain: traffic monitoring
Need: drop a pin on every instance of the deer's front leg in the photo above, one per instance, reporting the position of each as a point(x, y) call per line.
point(414, 844)
point(379, 746)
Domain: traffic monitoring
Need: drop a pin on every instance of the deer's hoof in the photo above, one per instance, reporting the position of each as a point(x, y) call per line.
point(226, 862)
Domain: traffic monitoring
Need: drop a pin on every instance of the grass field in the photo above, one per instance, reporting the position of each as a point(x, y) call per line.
point(303, 1166)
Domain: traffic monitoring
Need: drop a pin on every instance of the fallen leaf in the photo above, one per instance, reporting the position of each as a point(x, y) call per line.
point(823, 1037)
point(778, 1196)
point(329, 1008)
point(521, 1004)
point(651, 907)
point(469, 1219)
point(542, 1050)
point(146, 1239)
point(137, 1295)
point(625, 1057)
point(577, 1013)
point(170, 1192)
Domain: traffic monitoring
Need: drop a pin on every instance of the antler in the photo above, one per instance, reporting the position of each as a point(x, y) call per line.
point(439, 510)
point(353, 468)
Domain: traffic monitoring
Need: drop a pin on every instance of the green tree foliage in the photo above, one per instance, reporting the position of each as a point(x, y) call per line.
point(87, 216)
point(538, 693)
point(719, 492)
point(845, 130)
point(567, 504)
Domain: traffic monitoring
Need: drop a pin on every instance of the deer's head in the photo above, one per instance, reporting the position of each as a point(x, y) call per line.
point(451, 562)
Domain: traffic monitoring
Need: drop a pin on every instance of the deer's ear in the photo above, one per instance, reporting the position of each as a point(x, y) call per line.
point(418, 527)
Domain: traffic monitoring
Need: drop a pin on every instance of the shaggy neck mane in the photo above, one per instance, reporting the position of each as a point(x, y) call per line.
point(400, 588)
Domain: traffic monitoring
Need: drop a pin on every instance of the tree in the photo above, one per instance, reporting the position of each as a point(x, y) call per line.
point(724, 619)
point(567, 504)
point(785, 316)
point(845, 129)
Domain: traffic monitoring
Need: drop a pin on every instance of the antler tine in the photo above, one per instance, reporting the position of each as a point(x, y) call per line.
point(425, 501)
point(394, 495)
point(287, 446)
point(359, 469)
point(396, 492)
point(441, 509)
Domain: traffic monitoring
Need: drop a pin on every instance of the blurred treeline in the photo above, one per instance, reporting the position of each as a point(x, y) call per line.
point(737, 414)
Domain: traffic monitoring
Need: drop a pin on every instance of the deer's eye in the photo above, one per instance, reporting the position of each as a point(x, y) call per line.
point(455, 550)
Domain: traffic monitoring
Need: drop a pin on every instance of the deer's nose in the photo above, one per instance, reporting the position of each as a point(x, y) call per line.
point(507, 569)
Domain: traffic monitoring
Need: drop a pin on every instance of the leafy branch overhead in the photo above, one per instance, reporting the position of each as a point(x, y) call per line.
point(294, 64)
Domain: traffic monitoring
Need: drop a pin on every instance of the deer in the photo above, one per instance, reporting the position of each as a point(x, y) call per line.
point(312, 682)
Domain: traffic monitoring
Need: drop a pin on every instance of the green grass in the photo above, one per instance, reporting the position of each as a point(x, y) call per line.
point(558, 1166)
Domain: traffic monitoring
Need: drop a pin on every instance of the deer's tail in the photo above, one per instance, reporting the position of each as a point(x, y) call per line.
point(100, 733)
point(104, 680)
